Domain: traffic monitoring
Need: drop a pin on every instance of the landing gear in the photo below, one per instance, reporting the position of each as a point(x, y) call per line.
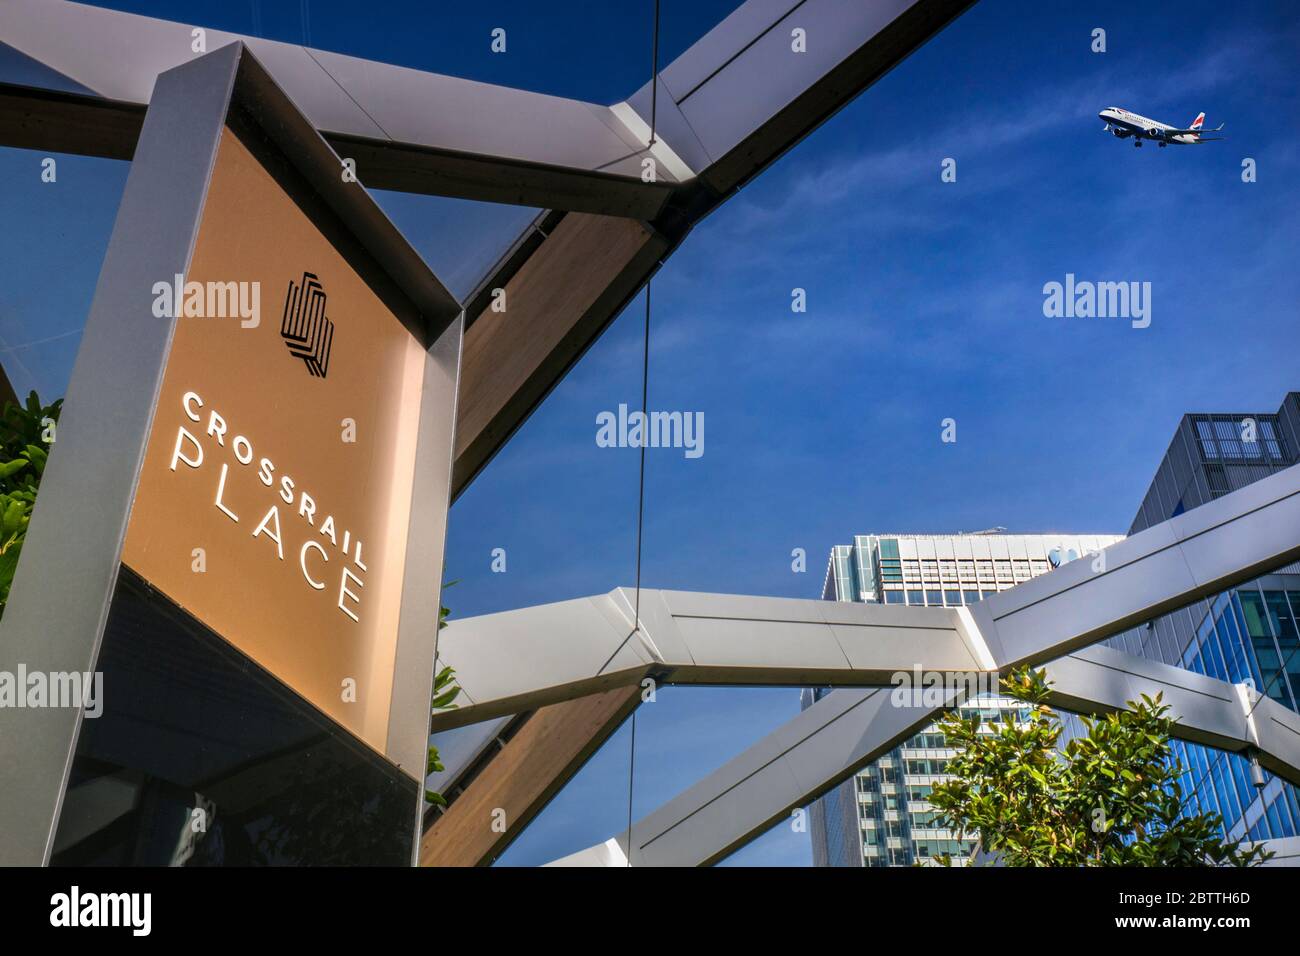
point(1137, 144)
point(1163, 144)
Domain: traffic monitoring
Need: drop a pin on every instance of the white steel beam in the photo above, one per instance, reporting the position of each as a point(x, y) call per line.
point(521, 659)
point(407, 129)
point(847, 729)
point(1224, 542)
point(735, 101)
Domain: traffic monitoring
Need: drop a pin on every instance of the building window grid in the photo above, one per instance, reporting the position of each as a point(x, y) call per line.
point(1226, 795)
point(1221, 438)
point(1224, 778)
point(1281, 606)
point(860, 561)
point(1282, 678)
point(1220, 648)
point(944, 583)
point(1219, 782)
point(1230, 632)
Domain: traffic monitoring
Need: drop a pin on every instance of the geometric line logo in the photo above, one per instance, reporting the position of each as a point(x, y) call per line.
point(304, 328)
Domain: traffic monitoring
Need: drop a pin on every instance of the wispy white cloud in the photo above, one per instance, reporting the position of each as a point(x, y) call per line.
point(843, 179)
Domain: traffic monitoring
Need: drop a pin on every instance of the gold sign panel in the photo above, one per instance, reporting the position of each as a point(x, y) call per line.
point(274, 498)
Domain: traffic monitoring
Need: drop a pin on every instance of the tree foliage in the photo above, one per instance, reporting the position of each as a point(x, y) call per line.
point(445, 692)
point(26, 433)
point(1108, 798)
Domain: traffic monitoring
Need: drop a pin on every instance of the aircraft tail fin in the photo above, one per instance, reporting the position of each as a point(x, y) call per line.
point(1196, 123)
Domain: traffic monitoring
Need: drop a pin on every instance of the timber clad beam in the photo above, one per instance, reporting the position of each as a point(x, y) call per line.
point(68, 122)
point(423, 116)
point(556, 305)
point(89, 125)
point(530, 769)
point(444, 172)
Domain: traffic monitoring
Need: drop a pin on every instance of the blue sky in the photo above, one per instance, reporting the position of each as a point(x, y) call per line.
point(924, 302)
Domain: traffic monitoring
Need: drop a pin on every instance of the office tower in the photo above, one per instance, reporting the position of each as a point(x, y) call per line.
point(1248, 634)
point(881, 816)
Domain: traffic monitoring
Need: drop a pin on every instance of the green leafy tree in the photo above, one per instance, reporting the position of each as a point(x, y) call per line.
point(1108, 798)
point(26, 433)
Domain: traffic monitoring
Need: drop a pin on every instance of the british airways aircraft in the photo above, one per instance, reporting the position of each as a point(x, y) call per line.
point(1125, 124)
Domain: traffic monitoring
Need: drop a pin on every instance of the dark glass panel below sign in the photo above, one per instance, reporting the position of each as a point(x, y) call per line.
point(190, 724)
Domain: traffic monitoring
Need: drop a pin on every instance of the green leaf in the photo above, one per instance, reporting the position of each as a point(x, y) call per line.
point(12, 518)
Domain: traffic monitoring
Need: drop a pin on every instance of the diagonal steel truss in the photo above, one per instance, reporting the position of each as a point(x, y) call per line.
point(76, 78)
point(728, 107)
point(849, 728)
point(537, 656)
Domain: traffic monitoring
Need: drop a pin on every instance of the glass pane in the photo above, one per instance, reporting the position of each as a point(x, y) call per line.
point(194, 725)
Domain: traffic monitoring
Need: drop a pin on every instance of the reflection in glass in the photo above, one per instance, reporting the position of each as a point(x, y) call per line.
point(193, 730)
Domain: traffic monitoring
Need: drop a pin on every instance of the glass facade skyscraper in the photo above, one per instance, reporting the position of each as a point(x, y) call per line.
point(882, 815)
point(1246, 635)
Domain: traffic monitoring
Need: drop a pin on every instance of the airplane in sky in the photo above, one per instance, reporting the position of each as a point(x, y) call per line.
point(1125, 124)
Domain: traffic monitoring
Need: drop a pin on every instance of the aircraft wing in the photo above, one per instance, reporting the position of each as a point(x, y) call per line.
point(1188, 132)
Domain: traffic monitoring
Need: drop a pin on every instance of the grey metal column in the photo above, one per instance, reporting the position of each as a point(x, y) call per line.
point(417, 629)
point(59, 602)
point(61, 593)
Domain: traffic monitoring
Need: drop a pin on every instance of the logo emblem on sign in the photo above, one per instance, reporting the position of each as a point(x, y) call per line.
point(305, 328)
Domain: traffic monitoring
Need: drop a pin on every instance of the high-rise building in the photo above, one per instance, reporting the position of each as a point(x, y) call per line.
point(1245, 635)
point(882, 816)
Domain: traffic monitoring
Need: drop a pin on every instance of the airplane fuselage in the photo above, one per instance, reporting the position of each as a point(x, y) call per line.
point(1124, 124)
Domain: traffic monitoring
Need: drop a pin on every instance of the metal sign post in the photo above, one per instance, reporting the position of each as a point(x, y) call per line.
point(241, 528)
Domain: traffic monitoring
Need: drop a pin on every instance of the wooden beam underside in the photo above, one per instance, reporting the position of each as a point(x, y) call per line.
point(556, 305)
point(60, 122)
point(521, 779)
